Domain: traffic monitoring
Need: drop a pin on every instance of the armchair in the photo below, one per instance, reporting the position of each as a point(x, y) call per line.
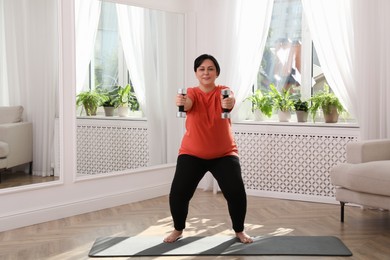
point(365, 177)
point(18, 137)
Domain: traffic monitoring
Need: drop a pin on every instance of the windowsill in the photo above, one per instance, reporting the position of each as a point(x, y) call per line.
point(118, 118)
point(296, 124)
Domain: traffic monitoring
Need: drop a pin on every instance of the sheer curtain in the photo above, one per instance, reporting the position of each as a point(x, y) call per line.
point(352, 42)
point(330, 24)
point(3, 60)
point(87, 14)
point(372, 58)
point(148, 36)
point(31, 45)
point(249, 30)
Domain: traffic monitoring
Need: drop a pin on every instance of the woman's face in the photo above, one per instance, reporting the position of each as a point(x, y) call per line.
point(206, 73)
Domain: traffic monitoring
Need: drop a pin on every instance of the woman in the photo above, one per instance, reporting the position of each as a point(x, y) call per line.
point(207, 145)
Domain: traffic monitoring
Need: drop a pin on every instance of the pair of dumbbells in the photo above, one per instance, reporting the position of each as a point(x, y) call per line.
point(225, 112)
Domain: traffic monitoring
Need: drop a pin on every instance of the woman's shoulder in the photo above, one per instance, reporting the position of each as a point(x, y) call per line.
point(223, 87)
point(192, 90)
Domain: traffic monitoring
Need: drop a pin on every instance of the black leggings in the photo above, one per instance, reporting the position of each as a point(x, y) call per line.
point(190, 170)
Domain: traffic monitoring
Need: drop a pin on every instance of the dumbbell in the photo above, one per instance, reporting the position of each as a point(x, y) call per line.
point(225, 112)
point(181, 113)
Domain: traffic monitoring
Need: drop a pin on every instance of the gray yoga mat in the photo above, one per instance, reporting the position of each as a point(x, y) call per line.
point(218, 245)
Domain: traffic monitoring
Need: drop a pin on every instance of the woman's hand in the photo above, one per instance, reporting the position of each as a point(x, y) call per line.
point(228, 103)
point(183, 100)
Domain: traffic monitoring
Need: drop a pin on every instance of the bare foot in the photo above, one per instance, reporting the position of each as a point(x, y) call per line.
point(244, 238)
point(174, 236)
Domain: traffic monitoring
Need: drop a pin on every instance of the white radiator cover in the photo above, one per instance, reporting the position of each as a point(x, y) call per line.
point(106, 146)
point(282, 159)
point(277, 160)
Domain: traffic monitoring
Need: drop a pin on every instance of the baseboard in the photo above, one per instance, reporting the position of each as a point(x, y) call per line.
point(291, 196)
point(70, 209)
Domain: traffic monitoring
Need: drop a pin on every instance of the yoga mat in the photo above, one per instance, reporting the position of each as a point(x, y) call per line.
point(218, 245)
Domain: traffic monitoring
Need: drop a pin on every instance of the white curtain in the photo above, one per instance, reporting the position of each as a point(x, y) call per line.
point(31, 45)
point(132, 33)
point(148, 38)
point(87, 14)
point(372, 59)
point(352, 42)
point(248, 35)
point(330, 24)
point(3, 60)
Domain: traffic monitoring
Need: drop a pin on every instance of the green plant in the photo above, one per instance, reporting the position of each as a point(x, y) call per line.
point(284, 100)
point(126, 97)
point(324, 100)
point(262, 102)
point(111, 96)
point(90, 100)
point(300, 105)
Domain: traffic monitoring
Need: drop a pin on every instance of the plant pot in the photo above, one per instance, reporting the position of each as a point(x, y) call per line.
point(284, 116)
point(302, 116)
point(332, 116)
point(135, 114)
point(90, 110)
point(123, 111)
point(109, 111)
point(258, 115)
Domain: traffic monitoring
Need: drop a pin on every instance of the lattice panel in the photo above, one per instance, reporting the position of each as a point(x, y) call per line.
point(290, 163)
point(105, 149)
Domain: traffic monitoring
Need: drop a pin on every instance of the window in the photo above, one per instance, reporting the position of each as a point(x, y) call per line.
point(108, 69)
point(290, 61)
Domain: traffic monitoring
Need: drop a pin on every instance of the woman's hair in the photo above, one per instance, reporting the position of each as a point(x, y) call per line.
point(198, 61)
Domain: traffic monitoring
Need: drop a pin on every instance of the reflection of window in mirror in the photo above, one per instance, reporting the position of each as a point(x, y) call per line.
point(107, 69)
point(135, 46)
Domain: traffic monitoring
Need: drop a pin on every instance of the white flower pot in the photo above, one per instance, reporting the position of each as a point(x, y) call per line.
point(284, 116)
point(123, 111)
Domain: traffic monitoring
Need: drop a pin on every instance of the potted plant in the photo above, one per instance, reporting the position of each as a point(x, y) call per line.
point(111, 100)
point(262, 104)
point(109, 106)
point(90, 100)
point(125, 98)
point(328, 103)
point(301, 109)
point(283, 102)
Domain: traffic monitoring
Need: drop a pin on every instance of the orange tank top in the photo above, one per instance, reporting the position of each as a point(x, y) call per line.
point(207, 135)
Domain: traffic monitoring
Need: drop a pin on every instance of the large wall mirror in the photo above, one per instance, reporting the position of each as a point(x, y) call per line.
point(29, 77)
point(129, 65)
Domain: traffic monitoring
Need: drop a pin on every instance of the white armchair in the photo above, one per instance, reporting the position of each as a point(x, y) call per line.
point(17, 135)
point(365, 178)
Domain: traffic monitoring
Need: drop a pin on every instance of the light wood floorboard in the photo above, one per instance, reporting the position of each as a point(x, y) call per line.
point(365, 232)
point(11, 179)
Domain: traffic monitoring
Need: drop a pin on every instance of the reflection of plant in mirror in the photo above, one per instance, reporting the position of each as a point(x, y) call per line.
point(126, 97)
point(111, 95)
point(90, 100)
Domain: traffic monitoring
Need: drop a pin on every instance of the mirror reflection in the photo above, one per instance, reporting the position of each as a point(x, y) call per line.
point(129, 64)
point(28, 92)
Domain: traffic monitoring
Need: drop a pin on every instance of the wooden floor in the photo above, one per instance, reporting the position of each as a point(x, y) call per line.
point(365, 232)
point(15, 179)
